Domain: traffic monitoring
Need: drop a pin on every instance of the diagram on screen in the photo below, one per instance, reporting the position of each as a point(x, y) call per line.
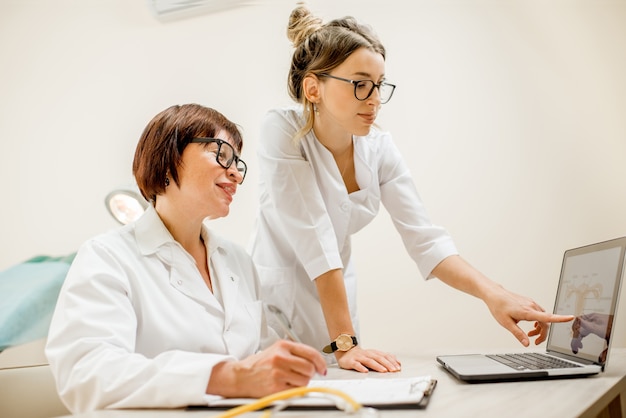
point(589, 281)
point(585, 294)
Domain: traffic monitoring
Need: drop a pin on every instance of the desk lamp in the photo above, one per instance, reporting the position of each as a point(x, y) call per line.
point(125, 205)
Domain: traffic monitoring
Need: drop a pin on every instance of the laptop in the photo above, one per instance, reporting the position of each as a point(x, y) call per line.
point(589, 288)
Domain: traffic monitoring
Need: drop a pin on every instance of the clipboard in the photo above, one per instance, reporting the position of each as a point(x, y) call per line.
point(385, 393)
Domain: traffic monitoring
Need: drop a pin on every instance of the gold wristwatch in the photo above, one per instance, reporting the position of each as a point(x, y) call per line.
point(343, 342)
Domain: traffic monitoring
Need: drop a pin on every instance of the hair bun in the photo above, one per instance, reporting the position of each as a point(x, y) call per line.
point(302, 23)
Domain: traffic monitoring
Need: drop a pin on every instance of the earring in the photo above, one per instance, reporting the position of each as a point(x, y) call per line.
point(167, 181)
point(315, 109)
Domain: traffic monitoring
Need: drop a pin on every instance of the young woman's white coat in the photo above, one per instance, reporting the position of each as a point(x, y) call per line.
point(307, 217)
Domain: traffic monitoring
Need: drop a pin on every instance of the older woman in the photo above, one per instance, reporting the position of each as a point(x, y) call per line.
point(163, 312)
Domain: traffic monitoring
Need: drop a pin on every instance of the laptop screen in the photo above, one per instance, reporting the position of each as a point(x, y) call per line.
point(589, 290)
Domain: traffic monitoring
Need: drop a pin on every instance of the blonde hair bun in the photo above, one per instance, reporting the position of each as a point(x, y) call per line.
point(302, 23)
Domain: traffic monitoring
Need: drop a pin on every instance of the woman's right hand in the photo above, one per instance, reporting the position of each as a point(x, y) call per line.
point(364, 360)
point(284, 365)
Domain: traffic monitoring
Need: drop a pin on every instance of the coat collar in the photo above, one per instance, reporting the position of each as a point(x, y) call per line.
point(151, 234)
point(154, 238)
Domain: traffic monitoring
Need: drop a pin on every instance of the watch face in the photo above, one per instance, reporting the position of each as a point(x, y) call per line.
point(344, 342)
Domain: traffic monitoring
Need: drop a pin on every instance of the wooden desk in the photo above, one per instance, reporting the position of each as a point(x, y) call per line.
point(598, 396)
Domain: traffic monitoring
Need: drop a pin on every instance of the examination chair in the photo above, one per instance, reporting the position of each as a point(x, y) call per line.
point(28, 294)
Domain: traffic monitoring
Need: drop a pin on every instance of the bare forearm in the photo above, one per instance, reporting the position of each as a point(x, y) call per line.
point(334, 302)
point(506, 307)
point(223, 381)
point(459, 274)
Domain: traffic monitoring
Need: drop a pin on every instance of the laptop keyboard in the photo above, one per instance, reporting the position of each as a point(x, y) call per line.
point(531, 361)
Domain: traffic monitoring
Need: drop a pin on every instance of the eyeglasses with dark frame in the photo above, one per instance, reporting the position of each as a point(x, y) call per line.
point(363, 89)
point(225, 155)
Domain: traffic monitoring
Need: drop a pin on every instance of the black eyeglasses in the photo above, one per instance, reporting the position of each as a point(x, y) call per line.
point(225, 155)
point(363, 89)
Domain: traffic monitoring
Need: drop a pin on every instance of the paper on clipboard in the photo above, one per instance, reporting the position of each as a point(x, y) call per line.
point(374, 391)
point(381, 393)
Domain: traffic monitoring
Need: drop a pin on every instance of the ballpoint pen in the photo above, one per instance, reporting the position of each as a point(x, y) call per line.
point(284, 322)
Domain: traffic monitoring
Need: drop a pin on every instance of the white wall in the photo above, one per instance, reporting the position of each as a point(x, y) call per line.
point(511, 115)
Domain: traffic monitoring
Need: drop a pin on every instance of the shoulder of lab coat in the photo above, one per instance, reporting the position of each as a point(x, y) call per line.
point(290, 193)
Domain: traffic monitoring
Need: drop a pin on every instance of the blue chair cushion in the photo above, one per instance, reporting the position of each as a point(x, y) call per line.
point(28, 295)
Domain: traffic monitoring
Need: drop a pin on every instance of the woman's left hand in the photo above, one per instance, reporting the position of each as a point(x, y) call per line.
point(363, 360)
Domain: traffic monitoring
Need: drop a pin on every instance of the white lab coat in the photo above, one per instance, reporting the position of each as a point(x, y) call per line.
point(136, 326)
point(307, 217)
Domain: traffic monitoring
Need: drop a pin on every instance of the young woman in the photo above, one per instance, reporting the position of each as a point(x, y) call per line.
point(163, 312)
point(324, 171)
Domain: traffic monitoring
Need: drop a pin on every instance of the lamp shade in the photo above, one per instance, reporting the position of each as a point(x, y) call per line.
point(125, 205)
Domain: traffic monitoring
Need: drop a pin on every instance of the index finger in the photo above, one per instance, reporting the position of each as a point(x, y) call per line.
point(546, 317)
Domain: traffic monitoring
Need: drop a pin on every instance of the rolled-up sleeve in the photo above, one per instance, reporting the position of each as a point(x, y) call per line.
point(427, 244)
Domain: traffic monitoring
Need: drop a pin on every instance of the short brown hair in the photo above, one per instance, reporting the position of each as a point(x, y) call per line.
point(159, 150)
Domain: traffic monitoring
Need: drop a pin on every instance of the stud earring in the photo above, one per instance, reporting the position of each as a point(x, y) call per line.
point(167, 181)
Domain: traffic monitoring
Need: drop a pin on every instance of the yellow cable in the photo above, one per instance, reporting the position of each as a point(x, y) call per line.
point(287, 394)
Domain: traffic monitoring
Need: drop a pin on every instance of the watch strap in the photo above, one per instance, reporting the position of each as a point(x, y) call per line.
point(332, 347)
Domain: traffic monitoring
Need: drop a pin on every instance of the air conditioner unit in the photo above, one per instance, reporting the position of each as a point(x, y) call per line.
point(166, 10)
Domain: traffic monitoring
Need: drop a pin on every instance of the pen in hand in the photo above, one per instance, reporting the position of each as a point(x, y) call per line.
point(285, 325)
